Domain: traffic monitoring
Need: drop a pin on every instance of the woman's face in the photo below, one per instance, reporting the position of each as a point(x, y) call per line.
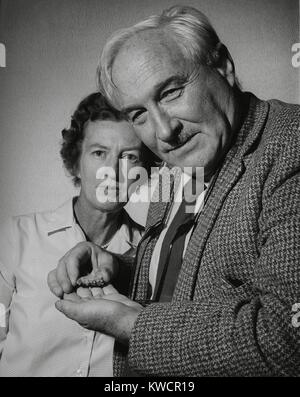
point(109, 150)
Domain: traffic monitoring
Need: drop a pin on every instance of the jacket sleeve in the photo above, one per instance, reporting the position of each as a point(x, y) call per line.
point(248, 334)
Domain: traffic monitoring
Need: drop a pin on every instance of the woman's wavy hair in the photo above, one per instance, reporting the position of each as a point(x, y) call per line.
point(92, 108)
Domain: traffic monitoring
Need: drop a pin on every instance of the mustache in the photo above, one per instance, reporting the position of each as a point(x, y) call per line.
point(181, 139)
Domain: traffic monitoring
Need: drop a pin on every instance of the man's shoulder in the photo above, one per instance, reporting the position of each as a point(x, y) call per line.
point(281, 133)
point(271, 114)
point(275, 156)
point(287, 114)
point(280, 105)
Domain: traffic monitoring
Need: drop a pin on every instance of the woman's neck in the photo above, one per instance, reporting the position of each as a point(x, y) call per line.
point(98, 227)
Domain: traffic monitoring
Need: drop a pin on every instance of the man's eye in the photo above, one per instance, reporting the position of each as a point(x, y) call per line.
point(138, 117)
point(172, 93)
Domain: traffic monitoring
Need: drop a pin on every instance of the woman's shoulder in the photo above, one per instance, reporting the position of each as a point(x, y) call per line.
point(39, 220)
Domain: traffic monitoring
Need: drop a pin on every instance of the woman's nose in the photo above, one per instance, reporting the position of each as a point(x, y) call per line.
point(112, 164)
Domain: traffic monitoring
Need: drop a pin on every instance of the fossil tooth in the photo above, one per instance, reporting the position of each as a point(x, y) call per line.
point(94, 279)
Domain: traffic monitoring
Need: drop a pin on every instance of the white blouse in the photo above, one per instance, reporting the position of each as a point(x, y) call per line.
point(35, 338)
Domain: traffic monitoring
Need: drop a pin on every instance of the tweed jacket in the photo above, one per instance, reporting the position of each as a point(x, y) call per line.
point(232, 306)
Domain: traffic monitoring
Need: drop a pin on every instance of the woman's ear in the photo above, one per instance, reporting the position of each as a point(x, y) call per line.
point(76, 171)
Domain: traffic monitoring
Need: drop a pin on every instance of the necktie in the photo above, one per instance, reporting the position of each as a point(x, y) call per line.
point(170, 259)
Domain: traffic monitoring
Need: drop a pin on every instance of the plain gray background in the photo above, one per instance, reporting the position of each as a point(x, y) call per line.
point(52, 53)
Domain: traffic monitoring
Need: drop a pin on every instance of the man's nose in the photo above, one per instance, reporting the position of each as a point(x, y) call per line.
point(167, 127)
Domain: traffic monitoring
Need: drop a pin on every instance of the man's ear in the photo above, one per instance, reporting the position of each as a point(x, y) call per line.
point(226, 65)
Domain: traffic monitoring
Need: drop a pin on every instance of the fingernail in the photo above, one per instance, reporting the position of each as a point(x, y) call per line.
point(66, 287)
point(58, 292)
point(74, 282)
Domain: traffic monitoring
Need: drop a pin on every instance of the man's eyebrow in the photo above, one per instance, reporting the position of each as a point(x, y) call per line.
point(178, 79)
point(157, 88)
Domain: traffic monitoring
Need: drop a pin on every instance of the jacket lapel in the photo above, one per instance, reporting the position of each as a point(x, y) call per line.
point(230, 172)
point(157, 216)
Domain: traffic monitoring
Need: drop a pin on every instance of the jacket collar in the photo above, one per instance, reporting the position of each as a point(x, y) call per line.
point(252, 125)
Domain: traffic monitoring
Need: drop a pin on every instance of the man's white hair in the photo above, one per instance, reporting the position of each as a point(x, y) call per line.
point(190, 28)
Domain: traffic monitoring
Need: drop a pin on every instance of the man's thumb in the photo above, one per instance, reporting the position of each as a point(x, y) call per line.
point(68, 308)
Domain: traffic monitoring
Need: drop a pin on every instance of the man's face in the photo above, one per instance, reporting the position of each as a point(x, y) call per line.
point(182, 116)
point(105, 143)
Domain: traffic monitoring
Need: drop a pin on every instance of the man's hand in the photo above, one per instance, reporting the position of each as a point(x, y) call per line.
point(79, 261)
point(112, 313)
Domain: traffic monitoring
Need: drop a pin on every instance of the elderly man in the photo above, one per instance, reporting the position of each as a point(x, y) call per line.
point(229, 309)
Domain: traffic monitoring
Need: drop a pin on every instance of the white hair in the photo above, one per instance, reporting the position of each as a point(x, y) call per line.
point(190, 28)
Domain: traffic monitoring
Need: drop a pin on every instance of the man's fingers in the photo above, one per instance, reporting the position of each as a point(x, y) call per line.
point(97, 292)
point(55, 288)
point(109, 289)
point(73, 270)
point(72, 297)
point(84, 292)
point(106, 262)
point(62, 276)
point(77, 260)
point(94, 259)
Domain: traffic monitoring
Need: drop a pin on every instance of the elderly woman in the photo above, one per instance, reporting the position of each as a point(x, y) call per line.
point(36, 339)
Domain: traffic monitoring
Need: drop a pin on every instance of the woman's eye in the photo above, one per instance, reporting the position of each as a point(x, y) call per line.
point(131, 157)
point(172, 93)
point(99, 153)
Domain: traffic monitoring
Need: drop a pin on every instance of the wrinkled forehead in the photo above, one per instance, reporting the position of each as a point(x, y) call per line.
point(153, 42)
point(145, 57)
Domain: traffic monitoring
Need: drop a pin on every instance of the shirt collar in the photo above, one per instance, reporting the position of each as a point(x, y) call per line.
point(129, 232)
point(63, 218)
